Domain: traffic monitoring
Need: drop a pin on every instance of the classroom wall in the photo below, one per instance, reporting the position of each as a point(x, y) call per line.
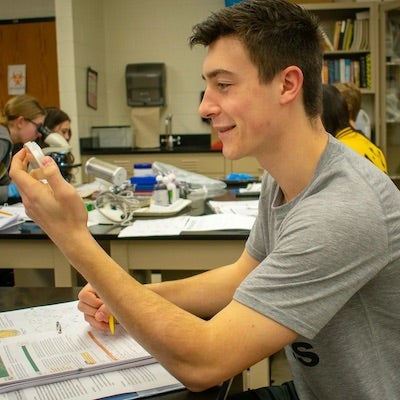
point(157, 31)
point(11, 9)
point(106, 35)
point(109, 35)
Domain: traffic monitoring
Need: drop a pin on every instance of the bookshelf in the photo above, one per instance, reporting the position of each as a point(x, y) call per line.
point(351, 50)
point(390, 84)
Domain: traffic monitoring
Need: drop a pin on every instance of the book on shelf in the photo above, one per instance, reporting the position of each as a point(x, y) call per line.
point(365, 71)
point(361, 42)
point(348, 34)
point(341, 70)
point(336, 34)
point(343, 24)
point(45, 350)
point(328, 45)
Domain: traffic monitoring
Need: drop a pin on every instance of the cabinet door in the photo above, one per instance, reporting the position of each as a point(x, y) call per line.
point(247, 165)
point(390, 84)
point(31, 43)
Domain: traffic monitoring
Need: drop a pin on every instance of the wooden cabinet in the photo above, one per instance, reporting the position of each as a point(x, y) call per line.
point(213, 165)
point(247, 165)
point(358, 61)
point(390, 84)
point(31, 42)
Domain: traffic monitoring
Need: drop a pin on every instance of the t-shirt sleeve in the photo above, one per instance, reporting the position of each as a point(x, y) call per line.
point(312, 261)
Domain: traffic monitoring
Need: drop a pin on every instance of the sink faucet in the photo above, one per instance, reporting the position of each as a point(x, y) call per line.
point(169, 140)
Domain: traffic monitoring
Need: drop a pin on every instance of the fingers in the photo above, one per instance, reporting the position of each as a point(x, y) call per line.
point(51, 172)
point(94, 310)
point(94, 323)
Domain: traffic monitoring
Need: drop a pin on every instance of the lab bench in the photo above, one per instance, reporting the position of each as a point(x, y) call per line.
point(193, 155)
point(30, 248)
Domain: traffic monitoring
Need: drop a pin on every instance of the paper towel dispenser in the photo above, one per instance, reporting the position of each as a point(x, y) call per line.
point(145, 84)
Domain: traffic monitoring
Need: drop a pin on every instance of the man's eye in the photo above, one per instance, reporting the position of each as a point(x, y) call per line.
point(222, 85)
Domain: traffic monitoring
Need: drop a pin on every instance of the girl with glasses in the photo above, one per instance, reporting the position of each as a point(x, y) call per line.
point(20, 122)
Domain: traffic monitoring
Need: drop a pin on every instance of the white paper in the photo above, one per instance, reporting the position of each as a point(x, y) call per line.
point(21, 326)
point(155, 227)
point(33, 351)
point(140, 381)
point(216, 222)
point(9, 218)
point(249, 207)
point(176, 225)
point(17, 209)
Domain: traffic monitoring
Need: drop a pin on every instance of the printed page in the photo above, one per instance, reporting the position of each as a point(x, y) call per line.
point(7, 219)
point(249, 207)
point(139, 382)
point(215, 222)
point(47, 344)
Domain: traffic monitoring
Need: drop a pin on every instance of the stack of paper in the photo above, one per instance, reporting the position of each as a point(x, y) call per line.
point(9, 219)
point(176, 225)
point(50, 352)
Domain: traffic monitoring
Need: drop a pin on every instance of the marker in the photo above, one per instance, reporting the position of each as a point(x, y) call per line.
point(111, 323)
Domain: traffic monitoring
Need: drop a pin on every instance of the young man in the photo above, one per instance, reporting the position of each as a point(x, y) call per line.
point(320, 273)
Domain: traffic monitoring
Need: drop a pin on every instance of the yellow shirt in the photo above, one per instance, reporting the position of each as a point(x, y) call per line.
point(363, 146)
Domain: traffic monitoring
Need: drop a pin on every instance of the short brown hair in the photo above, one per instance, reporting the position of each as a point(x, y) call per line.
point(276, 34)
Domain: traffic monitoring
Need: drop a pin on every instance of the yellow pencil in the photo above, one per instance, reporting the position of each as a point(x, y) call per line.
point(6, 213)
point(111, 323)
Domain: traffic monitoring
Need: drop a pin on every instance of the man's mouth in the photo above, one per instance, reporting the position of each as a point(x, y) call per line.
point(223, 129)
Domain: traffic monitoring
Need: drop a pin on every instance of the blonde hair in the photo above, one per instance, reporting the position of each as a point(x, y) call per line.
point(352, 95)
point(24, 105)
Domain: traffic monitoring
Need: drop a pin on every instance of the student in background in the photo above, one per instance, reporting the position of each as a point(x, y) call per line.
point(335, 117)
point(20, 122)
point(359, 119)
point(320, 271)
point(58, 121)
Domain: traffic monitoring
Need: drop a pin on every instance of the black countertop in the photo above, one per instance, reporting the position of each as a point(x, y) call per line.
point(194, 143)
point(29, 230)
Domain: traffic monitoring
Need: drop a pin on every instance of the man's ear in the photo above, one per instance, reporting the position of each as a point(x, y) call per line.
point(292, 83)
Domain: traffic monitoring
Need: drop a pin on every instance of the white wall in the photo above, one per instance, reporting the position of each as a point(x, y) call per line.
point(109, 34)
point(156, 31)
point(11, 9)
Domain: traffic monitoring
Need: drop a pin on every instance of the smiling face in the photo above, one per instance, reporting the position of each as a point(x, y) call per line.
point(242, 110)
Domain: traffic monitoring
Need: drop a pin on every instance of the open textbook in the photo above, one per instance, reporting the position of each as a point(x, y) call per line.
point(50, 352)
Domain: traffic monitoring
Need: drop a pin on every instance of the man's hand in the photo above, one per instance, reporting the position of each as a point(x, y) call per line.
point(56, 206)
point(93, 308)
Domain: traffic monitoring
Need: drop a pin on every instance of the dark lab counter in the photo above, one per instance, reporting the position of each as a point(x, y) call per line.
point(157, 150)
point(195, 143)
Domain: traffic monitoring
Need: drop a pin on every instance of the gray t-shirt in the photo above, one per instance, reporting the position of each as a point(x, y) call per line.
point(330, 270)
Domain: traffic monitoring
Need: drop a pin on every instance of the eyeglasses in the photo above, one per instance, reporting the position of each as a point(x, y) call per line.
point(39, 127)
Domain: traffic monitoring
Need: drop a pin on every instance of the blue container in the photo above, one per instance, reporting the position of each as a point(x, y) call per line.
point(231, 2)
